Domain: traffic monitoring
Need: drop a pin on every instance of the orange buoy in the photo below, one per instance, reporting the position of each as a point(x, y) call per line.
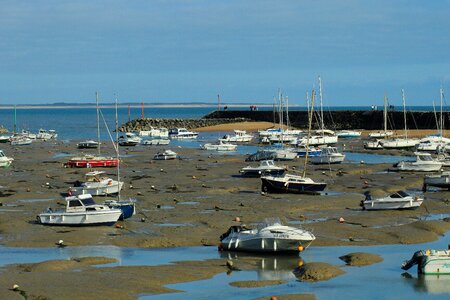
point(300, 248)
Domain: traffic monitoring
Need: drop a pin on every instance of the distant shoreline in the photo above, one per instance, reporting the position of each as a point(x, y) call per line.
point(133, 106)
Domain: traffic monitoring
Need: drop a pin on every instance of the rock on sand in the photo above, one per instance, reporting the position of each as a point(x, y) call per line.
point(317, 271)
point(361, 259)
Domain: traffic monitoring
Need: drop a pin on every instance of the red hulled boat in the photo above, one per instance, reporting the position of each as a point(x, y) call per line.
point(90, 161)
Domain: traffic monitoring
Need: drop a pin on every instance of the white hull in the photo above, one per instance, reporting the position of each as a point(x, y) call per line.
point(155, 142)
point(319, 140)
point(327, 159)
point(399, 143)
point(419, 167)
point(97, 189)
point(81, 218)
point(438, 263)
point(219, 147)
point(376, 145)
point(442, 180)
point(380, 204)
point(348, 134)
point(383, 134)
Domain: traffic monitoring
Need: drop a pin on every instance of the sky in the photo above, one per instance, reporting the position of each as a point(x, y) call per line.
point(191, 51)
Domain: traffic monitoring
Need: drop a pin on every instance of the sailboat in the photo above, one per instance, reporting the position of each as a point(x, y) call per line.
point(399, 143)
point(290, 183)
point(127, 206)
point(322, 136)
point(89, 160)
point(375, 143)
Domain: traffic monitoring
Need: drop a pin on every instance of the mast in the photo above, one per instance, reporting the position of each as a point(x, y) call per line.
point(404, 113)
point(117, 153)
point(287, 113)
point(98, 122)
point(442, 116)
point(15, 119)
point(313, 93)
point(321, 106)
point(385, 115)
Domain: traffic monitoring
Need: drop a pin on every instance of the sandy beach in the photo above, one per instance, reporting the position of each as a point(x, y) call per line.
point(202, 192)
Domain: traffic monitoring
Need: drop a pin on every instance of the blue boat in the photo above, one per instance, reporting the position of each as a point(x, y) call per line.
point(312, 151)
point(128, 207)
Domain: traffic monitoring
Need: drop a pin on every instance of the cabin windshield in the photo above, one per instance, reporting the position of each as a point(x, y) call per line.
point(75, 203)
point(425, 158)
point(88, 201)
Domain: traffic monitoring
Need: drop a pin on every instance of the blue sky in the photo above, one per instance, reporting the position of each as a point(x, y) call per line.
point(184, 51)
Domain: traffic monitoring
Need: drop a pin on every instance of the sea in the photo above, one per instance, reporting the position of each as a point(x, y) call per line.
point(79, 123)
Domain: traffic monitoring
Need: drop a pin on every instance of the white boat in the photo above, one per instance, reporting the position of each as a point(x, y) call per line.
point(385, 133)
point(329, 155)
point(348, 134)
point(220, 146)
point(432, 143)
point(5, 138)
point(4, 160)
point(373, 145)
point(282, 153)
point(182, 134)
point(88, 144)
point(46, 134)
point(290, 183)
point(282, 138)
point(397, 200)
point(266, 167)
point(165, 155)
point(28, 134)
point(430, 262)
point(424, 163)
point(80, 210)
point(96, 184)
point(19, 140)
point(156, 141)
point(129, 139)
point(155, 132)
point(266, 237)
point(325, 137)
point(240, 136)
point(441, 181)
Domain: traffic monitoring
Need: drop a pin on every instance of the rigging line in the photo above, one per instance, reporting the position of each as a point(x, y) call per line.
point(109, 132)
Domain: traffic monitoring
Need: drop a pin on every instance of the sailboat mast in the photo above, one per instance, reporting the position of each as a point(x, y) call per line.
point(385, 115)
point(442, 116)
point(404, 112)
point(15, 119)
point(287, 112)
point(321, 105)
point(98, 123)
point(313, 93)
point(117, 152)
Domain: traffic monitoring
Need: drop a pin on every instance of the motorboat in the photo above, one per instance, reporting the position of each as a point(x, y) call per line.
point(266, 167)
point(220, 146)
point(127, 206)
point(321, 137)
point(399, 143)
point(441, 181)
point(80, 211)
point(240, 136)
point(4, 138)
point(96, 184)
point(424, 163)
point(381, 134)
point(282, 138)
point(182, 134)
point(155, 133)
point(432, 143)
point(329, 155)
point(430, 262)
point(91, 161)
point(283, 153)
point(46, 134)
point(312, 151)
point(129, 139)
point(270, 132)
point(348, 134)
point(261, 155)
point(89, 144)
point(270, 236)
point(28, 134)
point(165, 155)
point(289, 183)
point(156, 142)
point(20, 140)
point(373, 145)
point(4, 160)
point(397, 200)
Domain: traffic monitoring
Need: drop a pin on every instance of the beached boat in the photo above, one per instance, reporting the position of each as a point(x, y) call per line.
point(348, 134)
point(182, 134)
point(80, 211)
point(96, 184)
point(373, 145)
point(46, 134)
point(91, 161)
point(397, 200)
point(89, 144)
point(430, 262)
point(28, 134)
point(4, 138)
point(240, 136)
point(165, 155)
point(424, 163)
point(156, 142)
point(432, 143)
point(129, 139)
point(280, 153)
point(322, 137)
point(155, 133)
point(220, 146)
point(441, 181)
point(266, 167)
point(312, 151)
point(20, 140)
point(127, 206)
point(329, 155)
point(260, 155)
point(270, 236)
point(4, 160)
point(289, 183)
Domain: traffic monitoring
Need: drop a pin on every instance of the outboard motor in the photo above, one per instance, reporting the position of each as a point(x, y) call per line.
point(415, 259)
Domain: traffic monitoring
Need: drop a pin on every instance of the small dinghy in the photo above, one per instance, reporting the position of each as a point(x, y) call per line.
point(269, 236)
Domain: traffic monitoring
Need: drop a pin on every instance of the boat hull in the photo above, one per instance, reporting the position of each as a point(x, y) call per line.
point(391, 205)
point(106, 218)
point(96, 190)
point(264, 245)
point(273, 186)
point(93, 163)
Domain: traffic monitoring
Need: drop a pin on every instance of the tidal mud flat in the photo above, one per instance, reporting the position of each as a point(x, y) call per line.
point(191, 202)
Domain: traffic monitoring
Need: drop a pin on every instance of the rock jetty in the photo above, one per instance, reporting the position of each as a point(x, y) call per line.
point(147, 123)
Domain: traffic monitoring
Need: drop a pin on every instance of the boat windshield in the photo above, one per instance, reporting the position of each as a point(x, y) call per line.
point(88, 201)
point(399, 194)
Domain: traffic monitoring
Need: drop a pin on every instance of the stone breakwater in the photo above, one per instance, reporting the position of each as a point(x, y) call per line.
point(147, 123)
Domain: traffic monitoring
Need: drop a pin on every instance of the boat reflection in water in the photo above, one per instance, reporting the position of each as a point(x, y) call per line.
point(267, 266)
point(430, 284)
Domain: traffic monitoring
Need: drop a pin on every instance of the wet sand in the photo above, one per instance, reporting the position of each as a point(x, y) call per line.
point(191, 202)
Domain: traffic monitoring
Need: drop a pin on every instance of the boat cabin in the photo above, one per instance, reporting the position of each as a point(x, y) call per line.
point(81, 203)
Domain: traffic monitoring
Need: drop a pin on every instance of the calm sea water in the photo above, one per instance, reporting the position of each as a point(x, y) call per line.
point(81, 123)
